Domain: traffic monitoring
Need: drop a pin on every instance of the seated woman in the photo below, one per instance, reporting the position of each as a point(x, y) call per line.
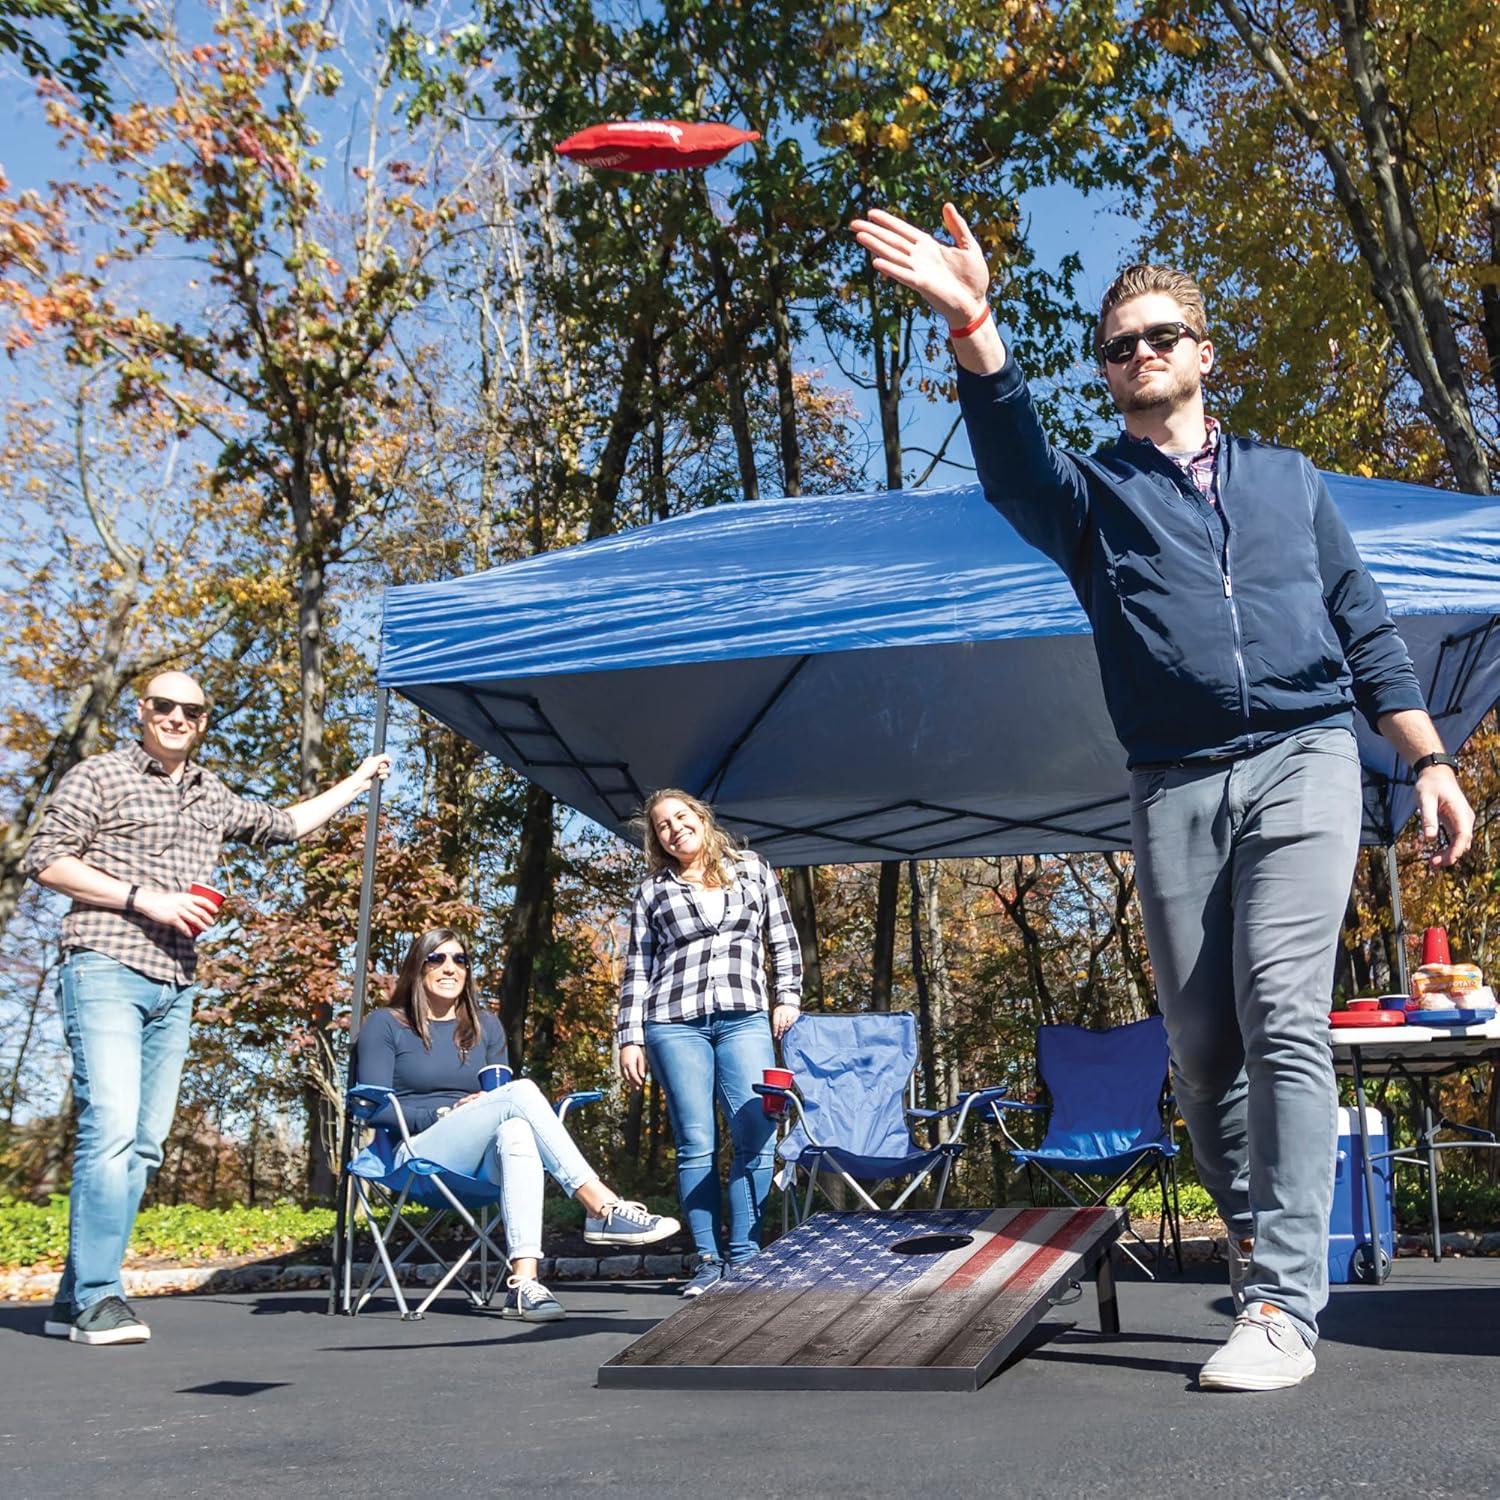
point(429, 1044)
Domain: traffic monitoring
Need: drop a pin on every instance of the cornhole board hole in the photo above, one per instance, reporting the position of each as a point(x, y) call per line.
point(931, 1301)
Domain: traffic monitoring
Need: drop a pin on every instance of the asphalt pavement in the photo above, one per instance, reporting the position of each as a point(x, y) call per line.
point(251, 1395)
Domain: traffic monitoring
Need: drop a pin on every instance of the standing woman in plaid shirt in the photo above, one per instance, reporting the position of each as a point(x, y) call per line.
point(694, 1005)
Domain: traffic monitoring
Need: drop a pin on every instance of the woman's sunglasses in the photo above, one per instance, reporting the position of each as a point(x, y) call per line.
point(1161, 337)
point(437, 960)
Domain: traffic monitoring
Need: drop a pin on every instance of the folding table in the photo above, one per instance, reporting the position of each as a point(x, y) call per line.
point(1417, 1054)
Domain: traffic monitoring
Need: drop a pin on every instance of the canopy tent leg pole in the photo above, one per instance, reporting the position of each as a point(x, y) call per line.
point(1398, 921)
point(343, 1240)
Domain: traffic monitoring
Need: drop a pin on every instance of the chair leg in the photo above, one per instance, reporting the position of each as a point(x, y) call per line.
point(382, 1251)
point(1176, 1216)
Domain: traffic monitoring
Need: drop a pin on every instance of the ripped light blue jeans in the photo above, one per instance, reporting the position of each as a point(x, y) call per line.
point(508, 1137)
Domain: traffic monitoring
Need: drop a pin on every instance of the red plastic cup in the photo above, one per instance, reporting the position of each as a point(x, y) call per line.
point(209, 893)
point(213, 896)
point(1435, 946)
point(777, 1078)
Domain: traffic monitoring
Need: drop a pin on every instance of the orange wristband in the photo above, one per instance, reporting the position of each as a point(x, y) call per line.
point(970, 328)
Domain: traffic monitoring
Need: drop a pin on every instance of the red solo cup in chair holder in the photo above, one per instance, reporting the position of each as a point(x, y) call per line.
point(775, 1082)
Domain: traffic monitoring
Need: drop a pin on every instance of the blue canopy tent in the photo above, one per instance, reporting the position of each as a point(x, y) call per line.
point(868, 677)
point(872, 677)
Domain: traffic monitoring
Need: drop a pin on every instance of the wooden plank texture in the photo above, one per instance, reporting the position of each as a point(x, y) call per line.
point(837, 1305)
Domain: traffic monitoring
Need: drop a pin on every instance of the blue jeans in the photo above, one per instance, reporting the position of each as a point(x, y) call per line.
point(718, 1055)
point(507, 1137)
point(1244, 872)
point(129, 1036)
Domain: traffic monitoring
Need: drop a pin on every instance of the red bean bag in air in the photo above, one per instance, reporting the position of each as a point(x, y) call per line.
point(652, 145)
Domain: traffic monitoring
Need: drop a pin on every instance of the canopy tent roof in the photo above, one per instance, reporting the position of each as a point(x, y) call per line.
point(872, 677)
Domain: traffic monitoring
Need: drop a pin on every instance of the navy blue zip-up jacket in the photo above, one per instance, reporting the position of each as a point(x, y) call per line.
point(1215, 637)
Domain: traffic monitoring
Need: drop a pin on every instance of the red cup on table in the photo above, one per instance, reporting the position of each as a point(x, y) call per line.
point(776, 1078)
point(1435, 946)
point(211, 894)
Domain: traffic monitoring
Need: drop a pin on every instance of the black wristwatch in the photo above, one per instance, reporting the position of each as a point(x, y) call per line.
point(1437, 758)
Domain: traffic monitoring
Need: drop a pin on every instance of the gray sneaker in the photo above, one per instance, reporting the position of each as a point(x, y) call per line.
point(707, 1276)
point(628, 1224)
point(108, 1321)
point(59, 1321)
point(1239, 1251)
point(531, 1302)
point(1264, 1353)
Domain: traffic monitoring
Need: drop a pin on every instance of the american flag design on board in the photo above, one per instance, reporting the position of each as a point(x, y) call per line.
point(837, 1294)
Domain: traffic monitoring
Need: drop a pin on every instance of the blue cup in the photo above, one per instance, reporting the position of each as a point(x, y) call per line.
point(495, 1076)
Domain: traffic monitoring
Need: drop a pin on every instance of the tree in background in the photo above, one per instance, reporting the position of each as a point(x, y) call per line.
point(93, 33)
point(1346, 224)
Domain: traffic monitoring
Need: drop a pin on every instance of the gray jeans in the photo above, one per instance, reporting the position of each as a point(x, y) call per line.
point(1244, 871)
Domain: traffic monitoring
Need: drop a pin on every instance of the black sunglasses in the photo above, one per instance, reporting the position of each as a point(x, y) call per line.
point(437, 960)
point(1161, 337)
point(193, 712)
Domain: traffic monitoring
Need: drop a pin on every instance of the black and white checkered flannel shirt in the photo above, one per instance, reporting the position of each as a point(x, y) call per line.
point(680, 966)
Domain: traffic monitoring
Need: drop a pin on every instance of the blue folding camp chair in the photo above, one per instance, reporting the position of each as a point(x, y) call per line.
point(853, 1103)
point(384, 1186)
point(1111, 1118)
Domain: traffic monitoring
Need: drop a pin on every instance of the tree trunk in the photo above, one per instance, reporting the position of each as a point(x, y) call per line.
point(786, 391)
point(926, 1020)
point(883, 957)
point(1489, 295)
point(801, 899)
point(529, 929)
point(734, 377)
point(76, 738)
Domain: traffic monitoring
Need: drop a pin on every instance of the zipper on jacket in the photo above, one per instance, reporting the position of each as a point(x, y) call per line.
point(1219, 547)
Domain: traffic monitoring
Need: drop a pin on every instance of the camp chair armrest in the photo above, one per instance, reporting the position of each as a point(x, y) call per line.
point(976, 1099)
point(576, 1100)
point(365, 1098)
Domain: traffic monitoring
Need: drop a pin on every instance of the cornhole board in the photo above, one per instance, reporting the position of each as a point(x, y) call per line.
point(931, 1301)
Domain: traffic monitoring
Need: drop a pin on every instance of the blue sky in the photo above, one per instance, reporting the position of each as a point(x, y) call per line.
point(1061, 220)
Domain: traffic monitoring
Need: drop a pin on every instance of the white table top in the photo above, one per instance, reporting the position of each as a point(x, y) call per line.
point(1418, 1049)
point(1417, 1037)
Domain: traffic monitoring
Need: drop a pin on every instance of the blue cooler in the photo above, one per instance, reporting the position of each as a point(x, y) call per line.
point(1347, 1222)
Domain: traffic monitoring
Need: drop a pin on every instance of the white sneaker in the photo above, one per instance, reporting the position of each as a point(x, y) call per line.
point(1264, 1353)
point(1239, 1252)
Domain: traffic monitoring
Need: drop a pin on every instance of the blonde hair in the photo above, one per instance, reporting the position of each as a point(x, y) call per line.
point(718, 865)
point(1141, 280)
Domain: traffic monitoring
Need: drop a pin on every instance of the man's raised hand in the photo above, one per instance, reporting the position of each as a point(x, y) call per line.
point(951, 279)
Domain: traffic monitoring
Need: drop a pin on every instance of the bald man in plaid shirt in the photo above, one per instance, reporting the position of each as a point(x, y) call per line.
point(124, 835)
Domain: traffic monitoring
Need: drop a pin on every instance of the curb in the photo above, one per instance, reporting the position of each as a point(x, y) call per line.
point(41, 1286)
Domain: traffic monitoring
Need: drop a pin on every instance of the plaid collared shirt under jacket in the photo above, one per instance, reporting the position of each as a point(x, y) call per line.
point(121, 813)
point(680, 965)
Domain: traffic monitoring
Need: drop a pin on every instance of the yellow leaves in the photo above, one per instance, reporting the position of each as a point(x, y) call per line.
point(1181, 41)
point(894, 137)
point(1101, 68)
